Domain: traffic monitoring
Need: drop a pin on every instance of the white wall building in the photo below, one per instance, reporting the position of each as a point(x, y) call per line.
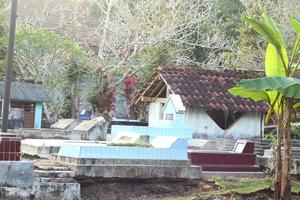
point(198, 100)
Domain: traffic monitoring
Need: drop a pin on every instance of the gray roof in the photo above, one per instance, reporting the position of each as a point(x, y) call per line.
point(26, 92)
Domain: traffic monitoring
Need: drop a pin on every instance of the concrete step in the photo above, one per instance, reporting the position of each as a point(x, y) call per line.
point(56, 180)
point(71, 160)
point(231, 168)
point(137, 171)
point(56, 188)
point(51, 168)
point(54, 174)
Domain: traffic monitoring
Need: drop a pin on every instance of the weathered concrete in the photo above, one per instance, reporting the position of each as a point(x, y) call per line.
point(53, 181)
point(41, 147)
point(71, 160)
point(137, 171)
point(127, 168)
point(14, 193)
point(203, 144)
point(54, 174)
point(16, 174)
point(91, 130)
point(66, 124)
point(130, 138)
point(49, 188)
point(96, 133)
point(44, 133)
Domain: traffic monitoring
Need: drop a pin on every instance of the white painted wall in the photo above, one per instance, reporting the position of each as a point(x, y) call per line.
point(248, 126)
point(154, 113)
point(201, 123)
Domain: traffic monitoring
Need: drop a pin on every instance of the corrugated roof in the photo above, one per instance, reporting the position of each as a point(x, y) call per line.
point(26, 92)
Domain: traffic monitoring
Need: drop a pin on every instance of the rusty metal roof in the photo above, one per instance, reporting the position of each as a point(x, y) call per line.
point(26, 92)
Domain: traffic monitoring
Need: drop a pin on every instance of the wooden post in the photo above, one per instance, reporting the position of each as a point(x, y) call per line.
point(9, 66)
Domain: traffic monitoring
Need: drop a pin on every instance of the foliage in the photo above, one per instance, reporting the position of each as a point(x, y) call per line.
point(279, 90)
point(295, 130)
point(129, 92)
point(58, 62)
point(134, 144)
point(270, 137)
point(229, 11)
point(244, 185)
point(66, 111)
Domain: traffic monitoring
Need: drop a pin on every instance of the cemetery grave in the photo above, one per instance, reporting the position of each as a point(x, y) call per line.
point(242, 158)
point(67, 129)
point(167, 158)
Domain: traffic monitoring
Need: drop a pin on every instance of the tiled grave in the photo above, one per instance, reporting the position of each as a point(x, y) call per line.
point(10, 147)
point(167, 158)
point(242, 158)
point(164, 148)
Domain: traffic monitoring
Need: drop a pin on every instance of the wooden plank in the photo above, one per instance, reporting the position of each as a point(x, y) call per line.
point(162, 89)
point(152, 99)
point(156, 88)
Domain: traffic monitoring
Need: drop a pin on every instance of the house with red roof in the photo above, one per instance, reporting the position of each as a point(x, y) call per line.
point(198, 99)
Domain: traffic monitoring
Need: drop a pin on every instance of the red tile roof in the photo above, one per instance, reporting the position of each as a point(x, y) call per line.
point(206, 89)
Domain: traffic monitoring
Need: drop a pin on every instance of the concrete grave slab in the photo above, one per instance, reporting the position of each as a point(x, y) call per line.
point(42, 148)
point(165, 148)
point(127, 137)
point(66, 124)
point(16, 174)
point(203, 144)
point(167, 160)
point(91, 129)
point(137, 171)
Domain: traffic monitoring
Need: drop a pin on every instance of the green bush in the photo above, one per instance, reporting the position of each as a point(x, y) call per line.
point(135, 144)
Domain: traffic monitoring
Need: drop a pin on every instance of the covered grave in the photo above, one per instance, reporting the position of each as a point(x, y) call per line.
point(66, 124)
point(95, 129)
point(163, 148)
point(166, 158)
point(10, 147)
point(241, 158)
point(128, 137)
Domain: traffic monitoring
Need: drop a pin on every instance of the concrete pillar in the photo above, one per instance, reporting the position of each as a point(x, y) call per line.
point(38, 115)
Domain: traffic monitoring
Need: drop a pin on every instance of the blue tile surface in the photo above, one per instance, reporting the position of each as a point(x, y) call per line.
point(176, 151)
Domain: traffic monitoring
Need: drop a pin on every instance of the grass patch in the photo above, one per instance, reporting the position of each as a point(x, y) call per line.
point(244, 185)
point(135, 144)
point(296, 187)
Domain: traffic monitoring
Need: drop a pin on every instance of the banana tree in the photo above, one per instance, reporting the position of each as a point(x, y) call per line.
point(279, 90)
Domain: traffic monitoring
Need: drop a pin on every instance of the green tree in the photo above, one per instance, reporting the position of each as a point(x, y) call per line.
point(279, 90)
point(58, 62)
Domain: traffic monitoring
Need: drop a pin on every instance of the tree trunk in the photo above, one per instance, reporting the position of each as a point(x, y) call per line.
point(278, 164)
point(46, 111)
point(286, 178)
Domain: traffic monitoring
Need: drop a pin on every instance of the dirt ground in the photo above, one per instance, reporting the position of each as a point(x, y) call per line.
point(157, 189)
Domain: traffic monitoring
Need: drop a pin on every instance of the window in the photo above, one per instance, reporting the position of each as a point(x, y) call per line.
point(169, 116)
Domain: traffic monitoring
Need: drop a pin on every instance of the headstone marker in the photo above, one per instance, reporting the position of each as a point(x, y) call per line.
point(92, 129)
point(66, 124)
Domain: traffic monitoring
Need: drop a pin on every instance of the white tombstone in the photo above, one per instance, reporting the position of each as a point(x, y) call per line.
point(65, 124)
